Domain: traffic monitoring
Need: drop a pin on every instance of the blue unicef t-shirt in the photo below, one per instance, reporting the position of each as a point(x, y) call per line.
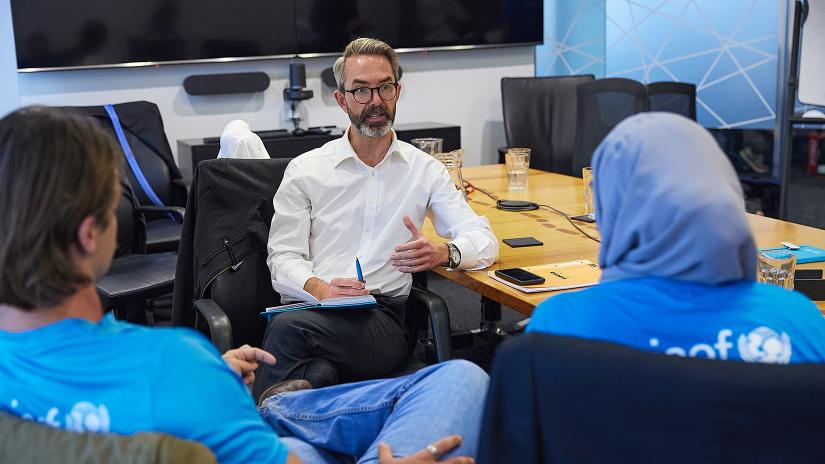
point(744, 320)
point(118, 377)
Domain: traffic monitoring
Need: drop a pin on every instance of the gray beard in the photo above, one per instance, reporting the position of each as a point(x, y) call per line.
point(373, 131)
point(370, 131)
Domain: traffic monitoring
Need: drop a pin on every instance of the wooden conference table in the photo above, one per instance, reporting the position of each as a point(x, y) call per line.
point(561, 241)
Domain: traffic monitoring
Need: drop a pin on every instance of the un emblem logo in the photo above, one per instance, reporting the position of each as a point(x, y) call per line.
point(764, 345)
point(86, 417)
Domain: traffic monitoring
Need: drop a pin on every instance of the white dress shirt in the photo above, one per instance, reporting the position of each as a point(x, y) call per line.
point(331, 208)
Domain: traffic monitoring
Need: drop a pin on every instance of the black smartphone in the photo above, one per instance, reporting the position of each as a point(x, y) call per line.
point(583, 218)
point(519, 276)
point(522, 242)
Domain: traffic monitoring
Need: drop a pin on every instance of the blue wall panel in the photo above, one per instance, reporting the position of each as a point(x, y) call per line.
point(727, 48)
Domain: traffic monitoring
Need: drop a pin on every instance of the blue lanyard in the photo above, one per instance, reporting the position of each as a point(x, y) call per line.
point(130, 158)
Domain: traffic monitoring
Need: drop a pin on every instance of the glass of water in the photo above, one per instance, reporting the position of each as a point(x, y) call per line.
point(776, 267)
point(518, 162)
point(452, 161)
point(430, 145)
point(589, 202)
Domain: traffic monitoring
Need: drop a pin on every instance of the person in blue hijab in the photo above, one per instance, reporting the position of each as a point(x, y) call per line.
point(677, 256)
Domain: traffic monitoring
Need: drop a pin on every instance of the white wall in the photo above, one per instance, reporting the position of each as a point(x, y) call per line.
point(457, 87)
point(9, 97)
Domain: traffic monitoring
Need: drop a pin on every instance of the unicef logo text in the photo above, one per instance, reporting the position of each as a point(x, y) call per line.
point(761, 345)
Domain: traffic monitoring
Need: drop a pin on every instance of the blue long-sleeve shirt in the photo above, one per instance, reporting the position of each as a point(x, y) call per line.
point(122, 378)
point(742, 320)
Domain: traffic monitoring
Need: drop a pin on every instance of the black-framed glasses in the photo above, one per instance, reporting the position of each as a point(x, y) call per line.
point(387, 91)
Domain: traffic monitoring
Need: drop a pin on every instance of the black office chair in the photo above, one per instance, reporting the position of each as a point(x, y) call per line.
point(602, 105)
point(540, 114)
point(230, 307)
point(673, 97)
point(565, 400)
point(222, 282)
point(143, 127)
point(134, 276)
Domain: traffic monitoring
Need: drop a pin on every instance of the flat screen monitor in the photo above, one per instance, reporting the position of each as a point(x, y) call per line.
point(88, 33)
point(326, 26)
point(56, 34)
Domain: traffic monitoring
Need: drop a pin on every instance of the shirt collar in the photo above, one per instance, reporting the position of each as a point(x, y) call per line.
point(345, 151)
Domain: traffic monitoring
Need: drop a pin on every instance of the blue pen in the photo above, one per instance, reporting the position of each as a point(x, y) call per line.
point(358, 270)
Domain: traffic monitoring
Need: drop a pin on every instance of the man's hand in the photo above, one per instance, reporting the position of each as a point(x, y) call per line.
point(419, 254)
point(244, 361)
point(338, 287)
point(426, 456)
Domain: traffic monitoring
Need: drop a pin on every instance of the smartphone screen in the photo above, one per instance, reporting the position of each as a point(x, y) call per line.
point(520, 276)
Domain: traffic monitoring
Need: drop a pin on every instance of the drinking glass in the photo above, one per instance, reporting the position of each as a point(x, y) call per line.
point(589, 202)
point(776, 267)
point(452, 161)
point(428, 145)
point(518, 162)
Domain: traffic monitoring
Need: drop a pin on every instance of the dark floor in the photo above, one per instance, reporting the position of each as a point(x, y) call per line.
point(465, 305)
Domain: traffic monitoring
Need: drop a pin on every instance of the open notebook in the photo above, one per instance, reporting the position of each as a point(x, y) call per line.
point(559, 276)
point(307, 301)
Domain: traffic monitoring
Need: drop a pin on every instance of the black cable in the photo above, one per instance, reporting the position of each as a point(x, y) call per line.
point(486, 192)
point(575, 226)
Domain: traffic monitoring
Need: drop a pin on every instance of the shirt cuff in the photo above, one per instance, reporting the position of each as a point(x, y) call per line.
point(469, 255)
point(296, 274)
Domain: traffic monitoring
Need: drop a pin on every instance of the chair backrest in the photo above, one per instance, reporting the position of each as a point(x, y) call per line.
point(603, 104)
point(540, 114)
point(131, 226)
point(143, 126)
point(227, 222)
point(25, 441)
point(673, 97)
point(560, 400)
point(243, 291)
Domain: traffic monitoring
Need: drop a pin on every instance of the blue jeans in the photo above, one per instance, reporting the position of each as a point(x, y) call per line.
point(345, 423)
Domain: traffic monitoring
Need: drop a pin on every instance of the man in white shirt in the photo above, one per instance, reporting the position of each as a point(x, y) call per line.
point(364, 195)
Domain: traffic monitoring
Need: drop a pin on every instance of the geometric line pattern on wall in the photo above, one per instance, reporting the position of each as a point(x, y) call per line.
point(573, 38)
point(727, 48)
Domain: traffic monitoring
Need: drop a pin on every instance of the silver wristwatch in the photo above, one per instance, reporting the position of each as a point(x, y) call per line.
point(454, 256)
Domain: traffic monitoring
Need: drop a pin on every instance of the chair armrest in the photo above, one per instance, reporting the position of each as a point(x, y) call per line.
point(220, 328)
point(521, 326)
point(439, 321)
point(176, 212)
point(501, 152)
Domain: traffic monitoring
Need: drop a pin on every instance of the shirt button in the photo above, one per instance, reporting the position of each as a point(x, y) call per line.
point(372, 173)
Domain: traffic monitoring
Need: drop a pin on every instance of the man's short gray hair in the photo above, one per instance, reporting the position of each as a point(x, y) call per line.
point(365, 46)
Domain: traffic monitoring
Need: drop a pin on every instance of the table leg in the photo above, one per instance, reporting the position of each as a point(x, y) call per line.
point(490, 317)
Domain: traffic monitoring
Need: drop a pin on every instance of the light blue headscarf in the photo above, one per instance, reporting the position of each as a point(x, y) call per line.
point(669, 204)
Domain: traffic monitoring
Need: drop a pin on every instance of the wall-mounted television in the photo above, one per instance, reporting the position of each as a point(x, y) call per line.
point(55, 34)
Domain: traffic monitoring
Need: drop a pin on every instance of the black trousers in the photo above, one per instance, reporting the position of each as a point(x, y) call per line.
point(328, 347)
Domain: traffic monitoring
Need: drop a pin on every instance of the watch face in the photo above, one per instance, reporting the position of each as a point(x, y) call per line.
point(455, 256)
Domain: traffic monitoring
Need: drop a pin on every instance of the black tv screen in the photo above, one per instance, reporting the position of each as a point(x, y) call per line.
point(326, 26)
point(60, 33)
point(54, 34)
